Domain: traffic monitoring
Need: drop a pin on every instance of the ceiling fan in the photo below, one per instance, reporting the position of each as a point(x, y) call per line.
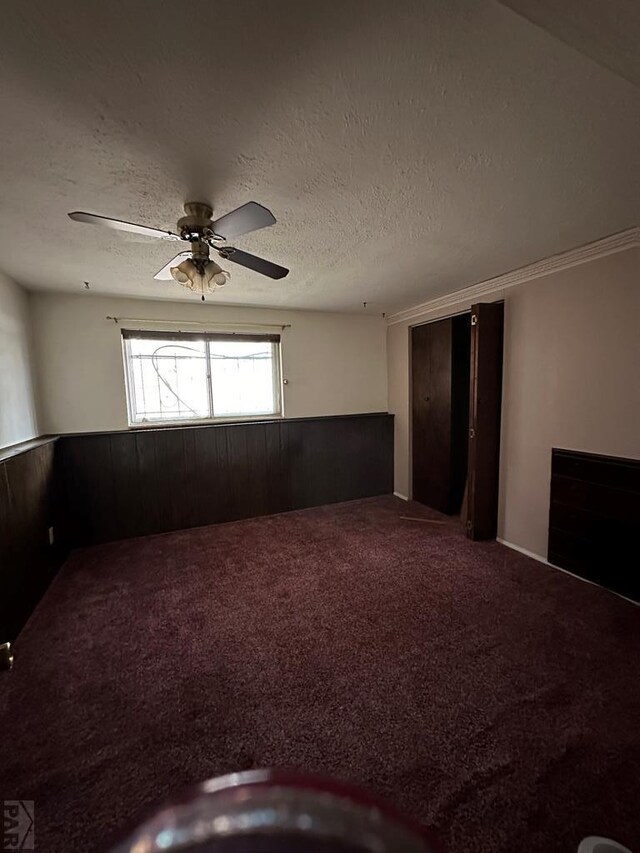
point(194, 268)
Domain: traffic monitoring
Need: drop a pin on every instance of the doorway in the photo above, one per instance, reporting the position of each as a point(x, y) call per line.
point(456, 385)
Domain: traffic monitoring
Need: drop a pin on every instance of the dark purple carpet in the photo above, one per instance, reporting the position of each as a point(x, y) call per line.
point(494, 698)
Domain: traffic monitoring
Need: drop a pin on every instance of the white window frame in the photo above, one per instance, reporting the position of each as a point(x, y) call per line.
point(208, 338)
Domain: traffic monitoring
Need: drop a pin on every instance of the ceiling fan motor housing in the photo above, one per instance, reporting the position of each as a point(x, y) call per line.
point(197, 225)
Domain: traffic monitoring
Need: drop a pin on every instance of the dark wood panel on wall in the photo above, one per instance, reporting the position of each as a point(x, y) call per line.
point(593, 518)
point(338, 459)
point(27, 510)
point(117, 485)
point(440, 411)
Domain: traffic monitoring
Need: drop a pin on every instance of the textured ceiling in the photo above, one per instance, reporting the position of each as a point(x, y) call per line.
point(407, 149)
point(607, 32)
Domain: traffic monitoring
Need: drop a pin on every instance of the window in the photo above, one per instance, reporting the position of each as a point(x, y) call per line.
point(194, 377)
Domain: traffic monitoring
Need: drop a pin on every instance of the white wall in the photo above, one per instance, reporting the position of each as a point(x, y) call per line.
point(571, 380)
point(334, 363)
point(18, 420)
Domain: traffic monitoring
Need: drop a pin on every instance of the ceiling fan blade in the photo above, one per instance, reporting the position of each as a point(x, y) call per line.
point(252, 262)
point(165, 273)
point(250, 217)
point(119, 225)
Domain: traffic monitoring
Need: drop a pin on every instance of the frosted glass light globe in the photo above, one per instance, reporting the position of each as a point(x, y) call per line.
point(184, 272)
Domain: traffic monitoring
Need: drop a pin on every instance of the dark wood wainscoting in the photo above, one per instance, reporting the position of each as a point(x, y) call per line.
point(122, 484)
point(27, 510)
point(98, 487)
point(593, 518)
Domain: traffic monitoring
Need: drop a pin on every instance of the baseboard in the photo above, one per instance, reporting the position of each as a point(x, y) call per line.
point(401, 496)
point(540, 559)
point(527, 553)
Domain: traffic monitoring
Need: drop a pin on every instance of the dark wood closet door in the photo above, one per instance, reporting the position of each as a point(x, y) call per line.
point(440, 413)
point(487, 323)
point(431, 402)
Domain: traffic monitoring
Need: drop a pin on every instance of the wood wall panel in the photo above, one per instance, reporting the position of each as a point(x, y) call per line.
point(593, 518)
point(117, 485)
point(338, 459)
point(27, 509)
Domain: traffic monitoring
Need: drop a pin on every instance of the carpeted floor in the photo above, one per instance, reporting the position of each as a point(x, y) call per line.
point(494, 698)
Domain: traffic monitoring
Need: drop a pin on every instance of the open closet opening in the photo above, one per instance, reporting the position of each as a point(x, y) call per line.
point(456, 392)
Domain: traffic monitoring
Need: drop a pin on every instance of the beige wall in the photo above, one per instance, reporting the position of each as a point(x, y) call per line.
point(572, 379)
point(334, 363)
point(18, 420)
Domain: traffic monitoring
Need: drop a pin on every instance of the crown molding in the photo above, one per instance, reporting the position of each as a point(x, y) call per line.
point(565, 260)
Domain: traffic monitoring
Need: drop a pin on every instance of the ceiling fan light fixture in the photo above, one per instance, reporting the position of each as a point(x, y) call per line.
point(188, 275)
